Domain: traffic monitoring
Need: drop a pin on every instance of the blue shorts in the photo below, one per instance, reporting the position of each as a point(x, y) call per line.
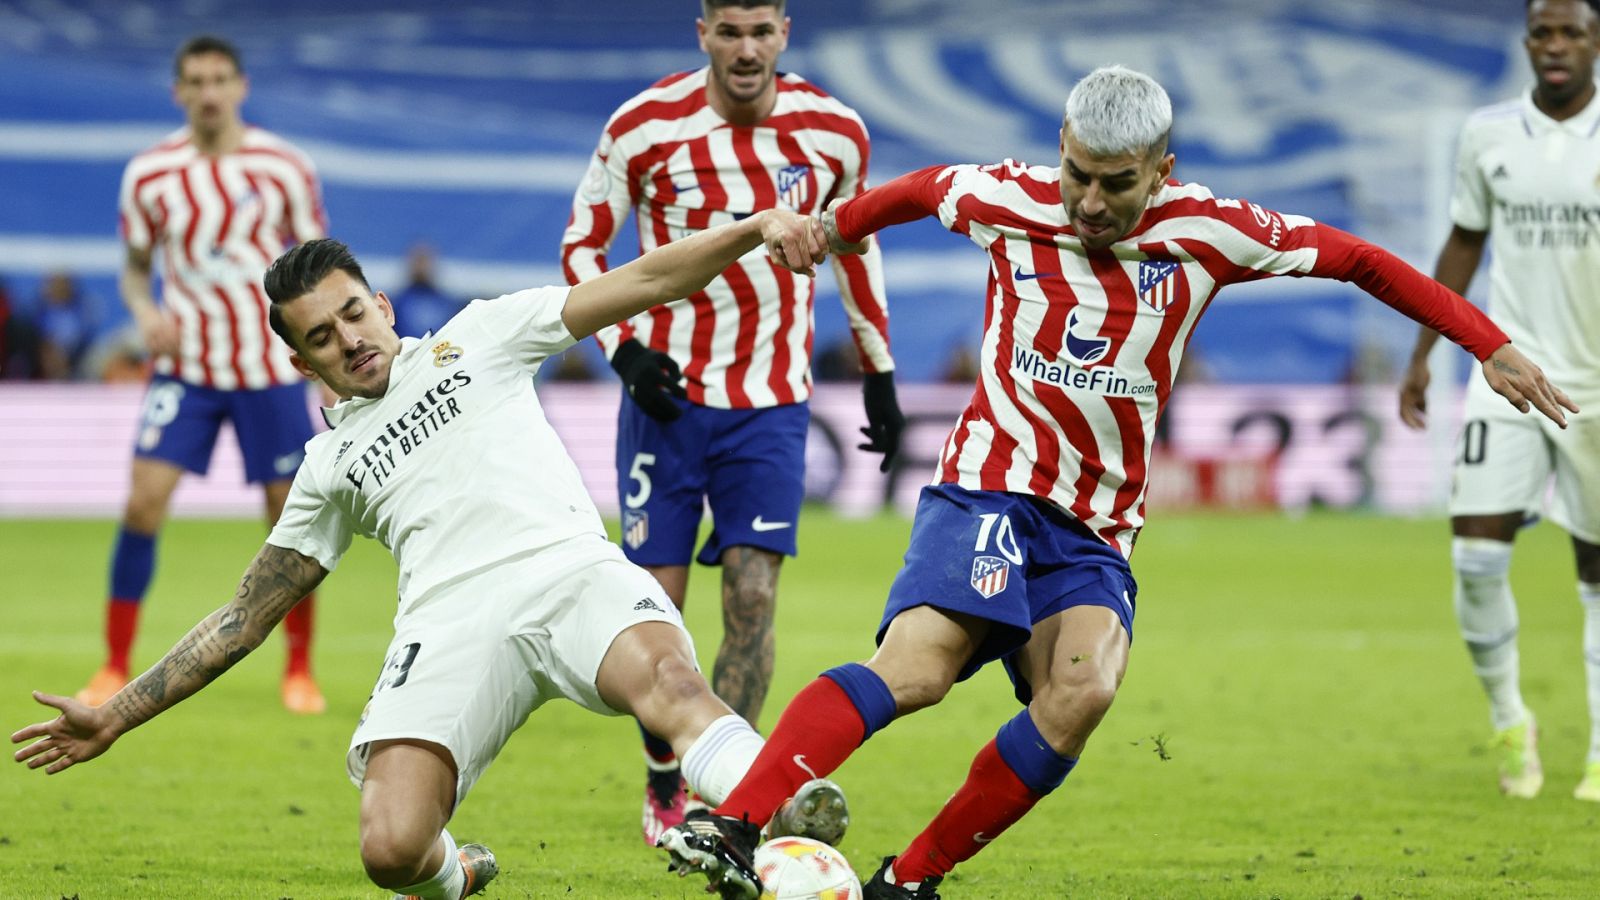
point(180, 421)
point(748, 463)
point(1009, 558)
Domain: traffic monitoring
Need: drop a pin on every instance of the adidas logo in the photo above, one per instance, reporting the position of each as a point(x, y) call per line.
point(342, 448)
point(1500, 172)
point(647, 603)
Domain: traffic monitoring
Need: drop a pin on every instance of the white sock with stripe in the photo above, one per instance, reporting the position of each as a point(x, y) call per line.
point(1589, 595)
point(1487, 613)
point(447, 883)
point(720, 757)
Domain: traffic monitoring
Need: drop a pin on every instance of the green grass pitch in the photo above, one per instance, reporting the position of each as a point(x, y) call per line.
point(1325, 735)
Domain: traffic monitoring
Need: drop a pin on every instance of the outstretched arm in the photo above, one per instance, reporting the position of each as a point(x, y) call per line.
point(1458, 260)
point(676, 270)
point(274, 583)
point(1387, 277)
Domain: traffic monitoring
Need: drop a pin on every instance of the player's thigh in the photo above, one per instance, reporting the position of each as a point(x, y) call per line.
point(1082, 647)
point(1503, 462)
point(178, 424)
point(1082, 600)
point(456, 675)
point(1577, 466)
point(596, 656)
point(757, 479)
point(408, 793)
point(966, 557)
point(273, 425)
point(661, 483)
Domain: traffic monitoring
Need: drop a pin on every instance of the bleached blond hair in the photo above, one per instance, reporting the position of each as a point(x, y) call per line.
point(1115, 111)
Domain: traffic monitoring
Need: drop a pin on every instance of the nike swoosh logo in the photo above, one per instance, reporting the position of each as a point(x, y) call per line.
point(1022, 276)
point(980, 839)
point(759, 525)
point(800, 760)
point(685, 188)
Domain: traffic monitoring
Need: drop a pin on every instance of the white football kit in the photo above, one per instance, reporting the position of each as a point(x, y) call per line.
point(510, 593)
point(1533, 183)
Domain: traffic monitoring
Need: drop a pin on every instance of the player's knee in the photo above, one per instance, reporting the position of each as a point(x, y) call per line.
point(914, 691)
point(676, 680)
point(143, 514)
point(1075, 705)
point(1480, 558)
point(392, 858)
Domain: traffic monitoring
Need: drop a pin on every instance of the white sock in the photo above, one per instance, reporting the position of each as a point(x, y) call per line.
point(1589, 595)
point(448, 882)
point(720, 756)
point(1487, 613)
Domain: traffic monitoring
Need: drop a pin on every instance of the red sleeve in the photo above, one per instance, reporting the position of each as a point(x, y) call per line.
point(905, 199)
point(1383, 275)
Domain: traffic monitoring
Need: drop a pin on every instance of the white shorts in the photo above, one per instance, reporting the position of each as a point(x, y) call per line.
point(1505, 461)
point(470, 662)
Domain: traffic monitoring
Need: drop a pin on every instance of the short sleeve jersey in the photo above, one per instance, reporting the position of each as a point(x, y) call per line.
point(454, 468)
point(219, 222)
point(1533, 183)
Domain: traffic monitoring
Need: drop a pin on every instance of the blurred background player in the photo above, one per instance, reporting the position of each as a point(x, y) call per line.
point(421, 306)
point(695, 150)
point(1528, 173)
point(1099, 271)
point(220, 199)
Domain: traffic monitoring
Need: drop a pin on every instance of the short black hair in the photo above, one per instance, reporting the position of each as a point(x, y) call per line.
point(205, 43)
point(302, 268)
point(1593, 4)
point(706, 6)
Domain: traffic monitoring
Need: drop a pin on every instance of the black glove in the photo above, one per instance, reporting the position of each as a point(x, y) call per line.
point(652, 379)
point(884, 421)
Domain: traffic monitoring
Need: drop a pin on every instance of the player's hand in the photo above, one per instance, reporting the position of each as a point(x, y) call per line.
point(835, 241)
point(793, 241)
point(652, 379)
point(78, 735)
point(1414, 395)
point(1515, 377)
point(157, 329)
point(884, 420)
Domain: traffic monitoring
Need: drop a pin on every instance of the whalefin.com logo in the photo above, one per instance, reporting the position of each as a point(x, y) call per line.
point(1081, 349)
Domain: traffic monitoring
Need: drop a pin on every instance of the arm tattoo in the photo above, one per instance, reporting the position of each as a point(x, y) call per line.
point(1509, 369)
point(274, 583)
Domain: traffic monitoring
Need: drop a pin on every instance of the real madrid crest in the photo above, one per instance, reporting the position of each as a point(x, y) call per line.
point(445, 353)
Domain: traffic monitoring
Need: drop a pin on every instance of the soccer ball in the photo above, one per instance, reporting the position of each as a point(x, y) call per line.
point(797, 868)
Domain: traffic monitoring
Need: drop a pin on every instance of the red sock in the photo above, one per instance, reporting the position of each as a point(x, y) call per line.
point(992, 800)
point(297, 629)
point(122, 620)
point(816, 733)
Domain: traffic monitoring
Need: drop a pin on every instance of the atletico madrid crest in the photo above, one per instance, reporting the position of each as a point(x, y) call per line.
point(794, 187)
point(1157, 287)
point(989, 575)
point(635, 527)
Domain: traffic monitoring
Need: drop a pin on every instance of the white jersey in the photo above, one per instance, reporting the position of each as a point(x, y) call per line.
point(455, 468)
point(1533, 183)
point(220, 221)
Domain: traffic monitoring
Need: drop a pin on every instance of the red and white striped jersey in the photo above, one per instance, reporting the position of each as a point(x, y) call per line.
point(1081, 347)
point(745, 341)
point(219, 221)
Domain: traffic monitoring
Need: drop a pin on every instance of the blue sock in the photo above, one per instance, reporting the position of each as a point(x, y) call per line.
point(1029, 755)
point(133, 564)
point(867, 692)
point(659, 751)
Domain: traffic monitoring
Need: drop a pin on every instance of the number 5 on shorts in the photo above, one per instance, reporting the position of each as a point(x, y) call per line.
point(637, 473)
